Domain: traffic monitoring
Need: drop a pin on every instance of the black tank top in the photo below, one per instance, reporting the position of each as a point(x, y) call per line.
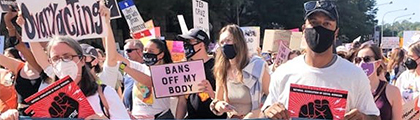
point(27, 87)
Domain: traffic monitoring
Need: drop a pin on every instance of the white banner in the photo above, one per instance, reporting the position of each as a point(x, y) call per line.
point(2, 44)
point(47, 18)
point(410, 110)
point(182, 24)
point(272, 39)
point(410, 37)
point(390, 42)
point(132, 16)
point(252, 38)
point(201, 15)
point(295, 40)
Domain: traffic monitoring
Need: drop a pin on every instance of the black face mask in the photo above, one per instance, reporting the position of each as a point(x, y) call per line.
point(229, 51)
point(319, 39)
point(150, 58)
point(189, 50)
point(410, 64)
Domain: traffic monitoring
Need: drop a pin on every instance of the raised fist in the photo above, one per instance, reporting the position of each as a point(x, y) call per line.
point(316, 110)
point(64, 107)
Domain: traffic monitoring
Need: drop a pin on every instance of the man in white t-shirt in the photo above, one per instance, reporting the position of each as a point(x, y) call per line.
point(321, 68)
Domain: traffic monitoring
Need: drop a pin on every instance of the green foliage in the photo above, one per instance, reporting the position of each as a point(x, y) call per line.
point(397, 28)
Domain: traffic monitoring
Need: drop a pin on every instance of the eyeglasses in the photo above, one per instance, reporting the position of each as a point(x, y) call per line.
point(64, 58)
point(130, 50)
point(364, 59)
point(312, 5)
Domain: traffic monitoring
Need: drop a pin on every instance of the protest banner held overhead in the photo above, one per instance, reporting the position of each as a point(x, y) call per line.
point(177, 78)
point(182, 24)
point(390, 42)
point(252, 38)
point(201, 15)
point(62, 99)
point(48, 18)
point(272, 39)
point(132, 16)
point(114, 8)
point(176, 48)
point(331, 103)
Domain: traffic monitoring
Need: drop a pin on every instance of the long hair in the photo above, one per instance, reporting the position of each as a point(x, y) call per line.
point(415, 48)
point(14, 52)
point(222, 64)
point(378, 56)
point(88, 83)
point(161, 45)
point(397, 57)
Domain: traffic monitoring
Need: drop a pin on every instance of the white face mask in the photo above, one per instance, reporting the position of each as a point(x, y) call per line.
point(62, 69)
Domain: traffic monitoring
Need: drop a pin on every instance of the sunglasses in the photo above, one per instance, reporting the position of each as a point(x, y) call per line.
point(312, 5)
point(130, 50)
point(364, 59)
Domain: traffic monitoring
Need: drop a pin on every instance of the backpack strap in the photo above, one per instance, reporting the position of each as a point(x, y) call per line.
point(380, 92)
point(102, 100)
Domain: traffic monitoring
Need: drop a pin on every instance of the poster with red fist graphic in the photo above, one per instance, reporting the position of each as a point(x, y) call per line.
point(316, 102)
point(62, 99)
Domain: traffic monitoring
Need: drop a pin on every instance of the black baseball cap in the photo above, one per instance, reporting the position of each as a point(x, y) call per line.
point(197, 34)
point(325, 6)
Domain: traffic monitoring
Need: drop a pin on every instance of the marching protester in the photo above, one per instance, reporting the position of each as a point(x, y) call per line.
point(407, 82)
point(241, 80)
point(387, 97)
point(321, 68)
point(396, 64)
point(197, 105)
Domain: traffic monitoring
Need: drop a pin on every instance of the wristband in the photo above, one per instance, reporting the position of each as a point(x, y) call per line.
point(122, 66)
point(213, 107)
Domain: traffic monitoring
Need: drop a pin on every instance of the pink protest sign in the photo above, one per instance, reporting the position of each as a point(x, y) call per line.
point(283, 53)
point(177, 78)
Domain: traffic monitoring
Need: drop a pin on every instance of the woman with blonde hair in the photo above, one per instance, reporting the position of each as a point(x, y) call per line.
point(396, 64)
point(241, 80)
point(407, 82)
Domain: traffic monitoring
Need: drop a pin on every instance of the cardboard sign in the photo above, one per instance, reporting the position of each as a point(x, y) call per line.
point(295, 40)
point(411, 110)
point(4, 4)
point(62, 99)
point(2, 44)
point(272, 39)
point(390, 42)
point(182, 24)
point(177, 78)
point(316, 102)
point(132, 16)
point(252, 38)
point(47, 18)
point(201, 15)
point(176, 48)
point(114, 8)
point(282, 54)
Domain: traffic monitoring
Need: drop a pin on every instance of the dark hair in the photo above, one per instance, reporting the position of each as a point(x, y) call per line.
point(87, 83)
point(101, 52)
point(161, 45)
point(397, 57)
point(297, 52)
point(377, 55)
point(14, 52)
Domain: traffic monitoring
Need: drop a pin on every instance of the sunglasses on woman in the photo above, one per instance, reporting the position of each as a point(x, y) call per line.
point(364, 59)
point(130, 50)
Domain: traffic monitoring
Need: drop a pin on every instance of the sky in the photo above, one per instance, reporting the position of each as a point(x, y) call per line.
point(413, 6)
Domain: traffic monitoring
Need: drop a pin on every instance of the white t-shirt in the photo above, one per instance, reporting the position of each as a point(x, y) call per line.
point(341, 75)
point(409, 85)
point(116, 107)
point(110, 75)
point(141, 106)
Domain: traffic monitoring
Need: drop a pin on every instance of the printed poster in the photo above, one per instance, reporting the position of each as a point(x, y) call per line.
point(201, 15)
point(177, 78)
point(316, 102)
point(282, 54)
point(77, 19)
point(252, 38)
point(132, 16)
point(62, 99)
point(114, 8)
point(176, 48)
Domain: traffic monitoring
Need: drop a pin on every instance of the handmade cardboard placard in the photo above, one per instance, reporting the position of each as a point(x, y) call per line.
point(272, 39)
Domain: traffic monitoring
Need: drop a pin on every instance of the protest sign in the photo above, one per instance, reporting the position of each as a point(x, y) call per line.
point(411, 110)
point(113, 7)
point(282, 53)
point(182, 24)
point(410, 37)
point(327, 103)
point(47, 18)
point(2, 44)
point(176, 48)
point(132, 16)
point(201, 15)
point(295, 40)
point(252, 38)
point(177, 78)
point(62, 99)
point(272, 39)
point(4, 4)
point(390, 42)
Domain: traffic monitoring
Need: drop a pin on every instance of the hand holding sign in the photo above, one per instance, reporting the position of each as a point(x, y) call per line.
point(223, 106)
point(206, 87)
point(277, 111)
point(354, 115)
point(104, 11)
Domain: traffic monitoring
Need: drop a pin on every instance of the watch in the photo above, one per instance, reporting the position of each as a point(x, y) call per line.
point(122, 66)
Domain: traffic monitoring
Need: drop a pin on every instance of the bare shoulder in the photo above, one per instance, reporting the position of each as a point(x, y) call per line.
point(392, 92)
